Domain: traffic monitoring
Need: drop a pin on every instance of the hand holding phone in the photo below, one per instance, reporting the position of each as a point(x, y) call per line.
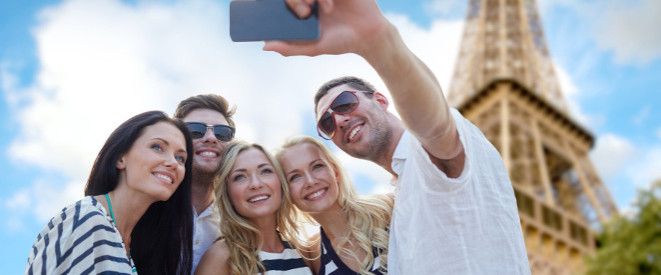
point(259, 20)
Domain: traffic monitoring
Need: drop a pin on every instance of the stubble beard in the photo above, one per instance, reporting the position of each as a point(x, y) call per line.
point(377, 145)
point(203, 176)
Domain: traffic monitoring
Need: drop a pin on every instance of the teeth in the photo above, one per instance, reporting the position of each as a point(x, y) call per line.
point(316, 194)
point(208, 154)
point(255, 199)
point(353, 133)
point(164, 177)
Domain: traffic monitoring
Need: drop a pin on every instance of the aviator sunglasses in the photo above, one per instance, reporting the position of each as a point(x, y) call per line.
point(346, 102)
point(223, 133)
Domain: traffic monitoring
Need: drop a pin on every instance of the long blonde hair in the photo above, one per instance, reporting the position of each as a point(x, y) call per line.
point(369, 216)
point(241, 236)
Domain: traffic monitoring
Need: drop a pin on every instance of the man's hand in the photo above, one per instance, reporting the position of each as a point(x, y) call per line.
point(347, 26)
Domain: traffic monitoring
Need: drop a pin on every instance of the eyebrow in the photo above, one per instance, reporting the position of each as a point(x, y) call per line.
point(244, 169)
point(168, 144)
point(309, 164)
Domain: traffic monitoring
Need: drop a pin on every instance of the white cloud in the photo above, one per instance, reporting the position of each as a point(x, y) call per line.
point(104, 61)
point(629, 28)
point(642, 115)
point(624, 166)
point(438, 47)
point(19, 201)
point(571, 93)
point(445, 8)
point(49, 199)
point(646, 168)
point(611, 154)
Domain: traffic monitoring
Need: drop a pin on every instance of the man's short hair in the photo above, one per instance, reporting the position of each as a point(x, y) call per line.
point(352, 81)
point(207, 101)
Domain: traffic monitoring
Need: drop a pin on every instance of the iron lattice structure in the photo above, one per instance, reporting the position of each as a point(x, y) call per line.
point(505, 83)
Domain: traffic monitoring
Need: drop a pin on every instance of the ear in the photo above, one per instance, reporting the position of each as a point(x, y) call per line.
point(121, 164)
point(382, 100)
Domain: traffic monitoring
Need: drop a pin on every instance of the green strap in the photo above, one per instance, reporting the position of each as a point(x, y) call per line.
point(110, 207)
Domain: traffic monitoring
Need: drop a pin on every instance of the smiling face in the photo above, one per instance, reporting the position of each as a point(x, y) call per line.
point(364, 132)
point(312, 180)
point(155, 164)
point(207, 156)
point(254, 186)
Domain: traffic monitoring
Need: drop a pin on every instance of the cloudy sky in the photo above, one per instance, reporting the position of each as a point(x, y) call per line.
point(72, 71)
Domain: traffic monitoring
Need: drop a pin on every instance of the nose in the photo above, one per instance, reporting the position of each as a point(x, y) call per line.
point(170, 161)
point(309, 179)
point(255, 183)
point(209, 136)
point(341, 120)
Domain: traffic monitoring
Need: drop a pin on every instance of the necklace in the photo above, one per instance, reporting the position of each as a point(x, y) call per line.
point(115, 224)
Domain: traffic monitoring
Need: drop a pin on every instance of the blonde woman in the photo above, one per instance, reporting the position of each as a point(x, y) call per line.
point(258, 228)
point(354, 230)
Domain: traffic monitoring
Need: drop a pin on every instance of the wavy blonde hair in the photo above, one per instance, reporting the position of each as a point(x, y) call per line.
point(241, 236)
point(369, 216)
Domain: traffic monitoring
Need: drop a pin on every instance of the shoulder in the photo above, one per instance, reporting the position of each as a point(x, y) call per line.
point(78, 227)
point(215, 260)
point(79, 216)
point(219, 250)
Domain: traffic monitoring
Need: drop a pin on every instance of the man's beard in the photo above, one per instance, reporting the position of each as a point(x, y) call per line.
point(377, 145)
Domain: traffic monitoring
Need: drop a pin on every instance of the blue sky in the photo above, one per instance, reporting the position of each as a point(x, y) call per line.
point(71, 71)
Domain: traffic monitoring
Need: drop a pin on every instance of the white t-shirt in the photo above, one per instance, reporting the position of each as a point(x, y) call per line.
point(206, 229)
point(464, 225)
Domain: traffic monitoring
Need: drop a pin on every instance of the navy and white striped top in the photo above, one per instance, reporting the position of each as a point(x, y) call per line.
point(331, 263)
point(288, 262)
point(81, 239)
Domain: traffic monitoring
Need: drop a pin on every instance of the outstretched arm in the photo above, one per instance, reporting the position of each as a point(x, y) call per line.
point(358, 26)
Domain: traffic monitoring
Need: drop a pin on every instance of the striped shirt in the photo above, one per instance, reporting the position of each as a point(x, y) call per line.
point(331, 263)
point(81, 239)
point(288, 262)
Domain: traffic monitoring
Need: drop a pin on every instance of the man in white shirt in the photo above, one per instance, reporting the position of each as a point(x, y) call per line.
point(209, 118)
point(455, 211)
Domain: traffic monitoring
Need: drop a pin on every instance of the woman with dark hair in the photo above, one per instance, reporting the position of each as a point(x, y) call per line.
point(137, 213)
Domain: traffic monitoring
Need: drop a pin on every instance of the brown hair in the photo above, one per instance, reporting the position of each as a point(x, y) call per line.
point(207, 101)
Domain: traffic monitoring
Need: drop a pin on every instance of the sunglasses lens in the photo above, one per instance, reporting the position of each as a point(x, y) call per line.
point(223, 132)
point(326, 125)
point(197, 130)
point(344, 103)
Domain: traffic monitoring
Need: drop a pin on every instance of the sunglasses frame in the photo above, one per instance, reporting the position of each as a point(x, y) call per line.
point(331, 112)
point(213, 130)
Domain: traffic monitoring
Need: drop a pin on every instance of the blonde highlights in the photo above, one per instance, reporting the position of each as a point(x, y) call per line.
point(241, 236)
point(368, 216)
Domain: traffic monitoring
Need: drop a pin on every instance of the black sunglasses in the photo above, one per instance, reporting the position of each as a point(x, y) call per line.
point(223, 133)
point(346, 102)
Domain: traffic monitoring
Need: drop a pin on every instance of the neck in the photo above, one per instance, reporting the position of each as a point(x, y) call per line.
point(202, 192)
point(267, 227)
point(334, 221)
point(385, 159)
point(127, 209)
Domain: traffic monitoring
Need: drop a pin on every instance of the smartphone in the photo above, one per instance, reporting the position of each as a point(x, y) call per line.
point(258, 20)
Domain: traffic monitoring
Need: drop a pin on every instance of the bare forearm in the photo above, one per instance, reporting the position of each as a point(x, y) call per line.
point(416, 93)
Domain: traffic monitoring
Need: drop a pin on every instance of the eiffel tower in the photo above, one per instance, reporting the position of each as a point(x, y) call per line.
point(505, 83)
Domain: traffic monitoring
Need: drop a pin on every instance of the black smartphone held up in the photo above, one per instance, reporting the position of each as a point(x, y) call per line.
point(258, 20)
